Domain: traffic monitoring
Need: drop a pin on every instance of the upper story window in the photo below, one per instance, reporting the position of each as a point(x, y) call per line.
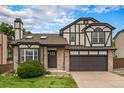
point(72, 37)
point(98, 29)
point(85, 22)
point(98, 36)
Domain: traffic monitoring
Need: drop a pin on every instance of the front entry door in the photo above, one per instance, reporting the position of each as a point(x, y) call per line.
point(52, 58)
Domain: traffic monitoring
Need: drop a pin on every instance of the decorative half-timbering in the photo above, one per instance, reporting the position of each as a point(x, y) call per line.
point(88, 32)
point(73, 32)
point(98, 34)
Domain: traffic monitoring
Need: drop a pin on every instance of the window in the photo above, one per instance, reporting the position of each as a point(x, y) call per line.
point(28, 54)
point(85, 22)
point(98, 29)
point(72, 37)
point(98, 37)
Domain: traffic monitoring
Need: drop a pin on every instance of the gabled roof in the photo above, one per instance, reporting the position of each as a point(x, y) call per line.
point(85, 18)
point(51, 39)
point(99, 24)
point(118, 34)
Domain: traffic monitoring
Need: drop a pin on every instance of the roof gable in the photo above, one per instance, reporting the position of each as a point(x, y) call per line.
point(99, 24)
point(74, 22)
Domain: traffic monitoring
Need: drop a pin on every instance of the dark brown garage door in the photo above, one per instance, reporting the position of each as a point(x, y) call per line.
point(88, 63)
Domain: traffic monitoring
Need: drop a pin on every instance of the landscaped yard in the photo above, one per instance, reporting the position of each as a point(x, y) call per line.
point(39, 82)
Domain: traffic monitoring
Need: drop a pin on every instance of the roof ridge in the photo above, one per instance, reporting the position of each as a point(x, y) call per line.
point(79, 20)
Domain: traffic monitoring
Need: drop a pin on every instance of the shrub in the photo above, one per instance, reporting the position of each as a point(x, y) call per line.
point(30, 69)
point(48, 72)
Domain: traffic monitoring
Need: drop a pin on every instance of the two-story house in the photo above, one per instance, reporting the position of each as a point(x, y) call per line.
point(83, 45)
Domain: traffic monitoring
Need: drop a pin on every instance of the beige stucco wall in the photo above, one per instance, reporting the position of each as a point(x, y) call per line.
point(110, 60)
point(119, 43)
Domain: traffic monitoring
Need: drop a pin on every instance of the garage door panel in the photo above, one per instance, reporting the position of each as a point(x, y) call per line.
point(88, 63)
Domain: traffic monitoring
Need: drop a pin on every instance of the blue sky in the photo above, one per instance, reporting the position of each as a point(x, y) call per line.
point(51, 18)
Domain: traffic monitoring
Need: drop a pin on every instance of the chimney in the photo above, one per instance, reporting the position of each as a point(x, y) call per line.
point(18, 26)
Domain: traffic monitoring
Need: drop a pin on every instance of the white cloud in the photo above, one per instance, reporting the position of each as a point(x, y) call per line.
point(48, 18)
point(64, 20)
point(101, 8)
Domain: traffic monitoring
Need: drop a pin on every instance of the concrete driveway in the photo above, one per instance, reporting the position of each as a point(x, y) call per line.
point(98, 80)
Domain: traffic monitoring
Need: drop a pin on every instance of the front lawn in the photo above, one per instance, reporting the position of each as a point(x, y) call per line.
point(39, 82)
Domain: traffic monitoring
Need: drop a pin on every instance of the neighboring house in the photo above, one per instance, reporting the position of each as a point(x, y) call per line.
point(83, 45)
point(3, 48)
point(119, 44)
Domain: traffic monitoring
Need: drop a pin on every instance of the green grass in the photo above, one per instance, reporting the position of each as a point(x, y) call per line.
point(120, 74)
point(39, 82)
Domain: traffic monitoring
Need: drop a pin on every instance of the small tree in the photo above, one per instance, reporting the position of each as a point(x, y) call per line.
point(9, 31)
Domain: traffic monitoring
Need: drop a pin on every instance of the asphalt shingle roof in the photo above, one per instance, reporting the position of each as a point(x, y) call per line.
point(50, 39)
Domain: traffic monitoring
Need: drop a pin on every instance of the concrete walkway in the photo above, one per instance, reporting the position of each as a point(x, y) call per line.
point(98, 80)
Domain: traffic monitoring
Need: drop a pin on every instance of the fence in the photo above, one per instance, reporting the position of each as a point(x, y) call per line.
point(118, 63)
point(5, 67)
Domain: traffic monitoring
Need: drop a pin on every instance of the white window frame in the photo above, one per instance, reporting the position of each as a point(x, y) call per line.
point(24, 55)
point(97, 38)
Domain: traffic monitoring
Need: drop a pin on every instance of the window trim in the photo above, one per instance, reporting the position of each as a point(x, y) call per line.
point(71, 37)
point(24, 55)
point(98, 37)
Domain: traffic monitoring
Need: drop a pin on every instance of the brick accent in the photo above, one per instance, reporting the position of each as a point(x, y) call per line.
point(67, 60)
point(15, 57)
point(60, 58)
point(45, 57)
point(110, 60)
point(41, 54)
point(3, 48)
